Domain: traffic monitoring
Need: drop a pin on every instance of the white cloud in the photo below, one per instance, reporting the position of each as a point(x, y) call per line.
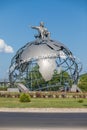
point(4, 47)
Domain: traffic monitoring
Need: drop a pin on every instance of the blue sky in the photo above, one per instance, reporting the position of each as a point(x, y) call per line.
point(65, 19)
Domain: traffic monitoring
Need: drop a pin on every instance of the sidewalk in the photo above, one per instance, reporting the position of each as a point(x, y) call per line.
point(44, 110)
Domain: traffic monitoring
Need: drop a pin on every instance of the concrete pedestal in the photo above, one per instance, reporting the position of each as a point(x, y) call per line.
point(75, 88)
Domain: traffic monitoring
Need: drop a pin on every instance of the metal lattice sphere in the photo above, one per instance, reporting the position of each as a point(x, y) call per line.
point(44, 64)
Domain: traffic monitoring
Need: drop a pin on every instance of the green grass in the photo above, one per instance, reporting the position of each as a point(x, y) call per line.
point(43, 103)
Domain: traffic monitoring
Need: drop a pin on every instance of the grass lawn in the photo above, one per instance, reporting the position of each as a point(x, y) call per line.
point(43, 103)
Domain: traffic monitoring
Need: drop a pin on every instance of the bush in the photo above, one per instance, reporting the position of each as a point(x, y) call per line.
point(80, 101)
point(24, 97)
point(38, 94)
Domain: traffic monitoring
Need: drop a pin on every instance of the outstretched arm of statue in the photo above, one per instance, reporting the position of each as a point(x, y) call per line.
point(34, 27)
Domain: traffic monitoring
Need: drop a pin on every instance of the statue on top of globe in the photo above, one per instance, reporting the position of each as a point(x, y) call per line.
point(43, 32)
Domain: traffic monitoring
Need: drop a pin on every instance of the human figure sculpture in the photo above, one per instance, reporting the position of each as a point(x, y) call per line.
point(43, 32)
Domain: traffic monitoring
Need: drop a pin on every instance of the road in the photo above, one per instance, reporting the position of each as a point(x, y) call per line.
point(40, 121)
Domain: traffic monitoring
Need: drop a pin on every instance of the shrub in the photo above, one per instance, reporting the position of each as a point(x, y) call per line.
point(25, 97)
point(80, 101)
point(38, 94)
point(63, 95)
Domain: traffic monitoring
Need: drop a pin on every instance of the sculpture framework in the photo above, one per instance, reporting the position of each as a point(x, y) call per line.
point(35, 63)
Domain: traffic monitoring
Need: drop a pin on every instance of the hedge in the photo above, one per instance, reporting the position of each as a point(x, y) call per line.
point(45, 95)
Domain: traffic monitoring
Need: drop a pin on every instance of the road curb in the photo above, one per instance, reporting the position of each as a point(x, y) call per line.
point(44, 110)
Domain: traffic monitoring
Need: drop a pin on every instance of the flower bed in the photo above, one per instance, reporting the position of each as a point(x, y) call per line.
point(51, 94)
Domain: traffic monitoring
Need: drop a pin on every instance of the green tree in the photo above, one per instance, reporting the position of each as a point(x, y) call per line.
point(36, 81)
point(83, 82)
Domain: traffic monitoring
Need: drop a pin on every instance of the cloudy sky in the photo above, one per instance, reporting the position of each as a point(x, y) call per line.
point(4, 47)
point(65, 19)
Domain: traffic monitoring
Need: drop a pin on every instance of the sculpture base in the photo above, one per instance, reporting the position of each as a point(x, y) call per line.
point(75, 88)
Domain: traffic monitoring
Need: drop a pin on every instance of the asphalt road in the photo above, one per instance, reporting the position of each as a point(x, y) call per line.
point(42, 120)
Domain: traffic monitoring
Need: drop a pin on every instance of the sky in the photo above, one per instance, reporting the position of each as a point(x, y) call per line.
point(65, 19)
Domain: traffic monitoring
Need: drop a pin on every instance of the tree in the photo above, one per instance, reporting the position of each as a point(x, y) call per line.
point(35, 81)
point(83, 82)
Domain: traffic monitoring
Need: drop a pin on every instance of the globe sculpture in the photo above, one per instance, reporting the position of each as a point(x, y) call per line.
point(44, 64)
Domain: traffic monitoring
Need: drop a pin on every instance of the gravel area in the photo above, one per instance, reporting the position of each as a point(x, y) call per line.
point(54, 110)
